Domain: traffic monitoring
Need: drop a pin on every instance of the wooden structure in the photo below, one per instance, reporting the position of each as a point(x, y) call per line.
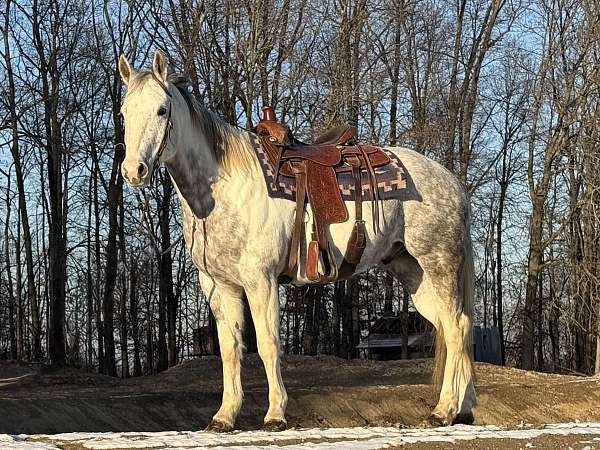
point(386, 340)
point(486, 345)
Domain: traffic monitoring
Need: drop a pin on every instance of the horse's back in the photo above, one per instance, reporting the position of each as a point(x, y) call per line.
point(426, 173)
point(435, 211)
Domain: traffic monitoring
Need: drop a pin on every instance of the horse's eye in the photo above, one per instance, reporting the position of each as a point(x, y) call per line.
point(162, 110)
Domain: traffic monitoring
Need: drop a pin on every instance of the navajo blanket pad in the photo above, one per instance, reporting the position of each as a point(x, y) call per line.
point(391, 179)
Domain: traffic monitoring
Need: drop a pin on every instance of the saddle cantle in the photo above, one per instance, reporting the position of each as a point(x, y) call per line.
point(316, 167)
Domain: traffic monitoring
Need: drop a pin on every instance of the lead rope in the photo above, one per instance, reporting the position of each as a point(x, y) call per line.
point(143, 205)
point(146, 224)
point(205, 261)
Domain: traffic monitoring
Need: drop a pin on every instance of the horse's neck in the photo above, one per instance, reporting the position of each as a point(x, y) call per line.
point(197, 175)
point(193, 181)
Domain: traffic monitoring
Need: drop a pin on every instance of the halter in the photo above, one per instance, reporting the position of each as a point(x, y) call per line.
point(167, 132)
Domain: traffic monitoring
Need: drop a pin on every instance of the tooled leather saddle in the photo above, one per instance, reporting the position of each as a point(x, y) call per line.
point(315, 168)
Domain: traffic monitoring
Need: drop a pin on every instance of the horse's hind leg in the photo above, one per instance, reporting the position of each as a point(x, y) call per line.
point(228, 309)
point(444, 298)
point(454, 364)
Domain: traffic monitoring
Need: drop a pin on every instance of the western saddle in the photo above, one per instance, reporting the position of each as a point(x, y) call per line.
point(315, 168)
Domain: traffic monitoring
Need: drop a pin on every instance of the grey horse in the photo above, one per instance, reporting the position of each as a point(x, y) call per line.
point(239, 238)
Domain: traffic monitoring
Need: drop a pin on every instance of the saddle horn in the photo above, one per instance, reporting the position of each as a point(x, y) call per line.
point(268, 114)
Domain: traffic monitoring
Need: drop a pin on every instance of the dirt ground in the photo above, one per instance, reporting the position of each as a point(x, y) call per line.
point(323, 392)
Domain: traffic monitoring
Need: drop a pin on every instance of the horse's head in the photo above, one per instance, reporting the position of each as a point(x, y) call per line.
point(147, 110)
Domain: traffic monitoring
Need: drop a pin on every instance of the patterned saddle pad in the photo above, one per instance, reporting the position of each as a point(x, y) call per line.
point(391, 179)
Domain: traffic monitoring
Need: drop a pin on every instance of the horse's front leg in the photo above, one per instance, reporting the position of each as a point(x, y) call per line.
point(228, 309)
point(263, 298)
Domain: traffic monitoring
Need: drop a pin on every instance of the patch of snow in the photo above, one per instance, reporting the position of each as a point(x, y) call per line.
point(8, 442)
point(360, 438)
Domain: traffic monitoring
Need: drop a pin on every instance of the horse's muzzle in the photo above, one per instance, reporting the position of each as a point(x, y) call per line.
point(135, 172)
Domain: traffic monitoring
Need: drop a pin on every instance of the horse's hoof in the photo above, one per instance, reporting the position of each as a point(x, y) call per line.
point(465, 419)
point(274, 425)
point(433, 421)
point(216, 426)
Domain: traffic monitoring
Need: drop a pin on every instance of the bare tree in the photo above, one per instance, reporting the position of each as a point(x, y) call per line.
point(564, 68)
point(11, 99)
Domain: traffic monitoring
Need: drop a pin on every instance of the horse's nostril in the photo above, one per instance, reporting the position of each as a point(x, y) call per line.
point(142, 170)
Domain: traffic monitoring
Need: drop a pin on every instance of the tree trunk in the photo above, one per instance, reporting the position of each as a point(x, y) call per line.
point(499, 285)
point(114, 194)
point(540, 323)
point(163, 350)
point(350, 324)
point(35, 327)
point(554, 326)
point(133, 310)
point(89, 337)
point(533, 269)
point(57, 251)
point(394, 82)
point(405, 321)
point(212, 327)
point(167, 313)
point(355, 318)
point(98, 255)
point(388, 296)
point(538, 195)
point(249, 329)
point(20, 328)
point(123, 332)
point(311, 320)
point(339, 292)
point(296, 329)
point(149, 349)
point(12, 301)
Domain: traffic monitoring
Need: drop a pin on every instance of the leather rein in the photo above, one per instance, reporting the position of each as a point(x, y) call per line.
point(167, 133)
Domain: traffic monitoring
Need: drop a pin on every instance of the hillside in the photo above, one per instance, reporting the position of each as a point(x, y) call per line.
point(323, 392)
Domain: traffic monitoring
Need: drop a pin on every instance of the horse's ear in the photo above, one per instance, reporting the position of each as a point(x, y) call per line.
point(159, 66)
point(125, 69)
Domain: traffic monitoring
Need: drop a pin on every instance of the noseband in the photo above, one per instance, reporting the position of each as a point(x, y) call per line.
point(167, 132)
